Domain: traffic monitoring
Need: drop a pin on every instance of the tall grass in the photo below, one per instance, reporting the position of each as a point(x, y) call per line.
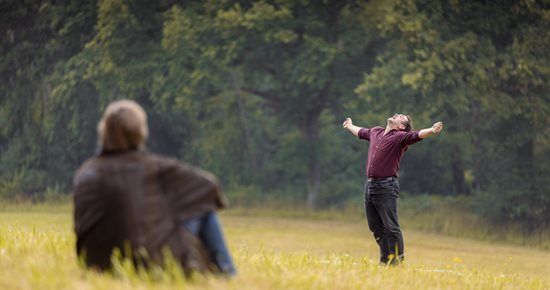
point(37, 252)
point(448, 215)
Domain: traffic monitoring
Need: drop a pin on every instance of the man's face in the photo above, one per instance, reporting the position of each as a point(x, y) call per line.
point(398, 120)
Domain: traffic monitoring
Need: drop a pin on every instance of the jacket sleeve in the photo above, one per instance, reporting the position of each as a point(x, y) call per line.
point(190, 191)
point(87, 204)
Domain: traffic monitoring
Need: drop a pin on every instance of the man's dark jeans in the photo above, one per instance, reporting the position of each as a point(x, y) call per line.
point(381, 210)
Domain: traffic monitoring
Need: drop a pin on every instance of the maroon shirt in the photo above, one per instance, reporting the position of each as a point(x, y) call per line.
point(386, 151)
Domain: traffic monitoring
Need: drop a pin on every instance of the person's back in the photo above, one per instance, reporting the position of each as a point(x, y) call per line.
point(133, 197)
point(134, 201)
point(105, 215)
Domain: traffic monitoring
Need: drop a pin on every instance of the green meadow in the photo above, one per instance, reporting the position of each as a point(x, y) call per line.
point(272, 252)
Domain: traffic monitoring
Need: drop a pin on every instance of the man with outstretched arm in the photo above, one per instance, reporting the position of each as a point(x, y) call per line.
point(386, 149)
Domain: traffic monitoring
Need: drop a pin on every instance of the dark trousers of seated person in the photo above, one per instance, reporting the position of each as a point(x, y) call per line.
point(208, 229)
point(381, 211)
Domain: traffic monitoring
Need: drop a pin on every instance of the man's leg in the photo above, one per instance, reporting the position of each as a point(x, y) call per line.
point(212, 236)
point(376, 226)
point(207, 228)
point(386, 206)
point(193, 225)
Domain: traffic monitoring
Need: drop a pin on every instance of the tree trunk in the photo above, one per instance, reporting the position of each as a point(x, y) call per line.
point(313, 182)
point(311, 135)
point(244, 123)
point(459, 182)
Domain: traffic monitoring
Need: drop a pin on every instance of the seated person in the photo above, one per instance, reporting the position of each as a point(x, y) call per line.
point(143, 204)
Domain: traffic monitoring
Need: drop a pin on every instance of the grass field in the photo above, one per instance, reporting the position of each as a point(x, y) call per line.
point(37, 252)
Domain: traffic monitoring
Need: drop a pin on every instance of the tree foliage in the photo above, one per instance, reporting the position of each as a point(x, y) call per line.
point(256, 92)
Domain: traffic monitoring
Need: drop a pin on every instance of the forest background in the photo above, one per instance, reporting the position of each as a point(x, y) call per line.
point(256, 92)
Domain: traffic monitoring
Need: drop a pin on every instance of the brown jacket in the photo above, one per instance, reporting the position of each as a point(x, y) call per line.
point(139, 199)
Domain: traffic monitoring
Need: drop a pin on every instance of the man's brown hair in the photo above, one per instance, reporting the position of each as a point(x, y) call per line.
point(408, 124)
point(122, 127)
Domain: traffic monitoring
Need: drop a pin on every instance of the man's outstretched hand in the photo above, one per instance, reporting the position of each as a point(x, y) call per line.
point(347, 123)
point(437, 127)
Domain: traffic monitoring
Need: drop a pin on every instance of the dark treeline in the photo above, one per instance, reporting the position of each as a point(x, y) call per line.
point(256, 92)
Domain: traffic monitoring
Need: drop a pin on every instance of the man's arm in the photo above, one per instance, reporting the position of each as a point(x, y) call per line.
point(436, 128)
point(348, 124)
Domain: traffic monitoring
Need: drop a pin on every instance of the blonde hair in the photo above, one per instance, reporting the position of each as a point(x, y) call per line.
point(122, 127)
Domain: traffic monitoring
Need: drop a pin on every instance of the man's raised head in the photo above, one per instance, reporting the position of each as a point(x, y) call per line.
point(122, 127)
point(400, 122)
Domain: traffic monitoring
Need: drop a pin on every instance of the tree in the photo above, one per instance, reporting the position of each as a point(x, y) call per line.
point(38, 35)
point(482, 69)
point(301, 58)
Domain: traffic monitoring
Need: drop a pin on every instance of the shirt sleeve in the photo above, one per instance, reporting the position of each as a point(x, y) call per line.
point(364, 133)
point(410, 138)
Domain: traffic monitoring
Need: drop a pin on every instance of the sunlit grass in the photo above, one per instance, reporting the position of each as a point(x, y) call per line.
point(446, 215)
point(37, 252)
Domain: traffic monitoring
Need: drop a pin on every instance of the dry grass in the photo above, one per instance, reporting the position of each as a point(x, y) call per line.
point(37, 252)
